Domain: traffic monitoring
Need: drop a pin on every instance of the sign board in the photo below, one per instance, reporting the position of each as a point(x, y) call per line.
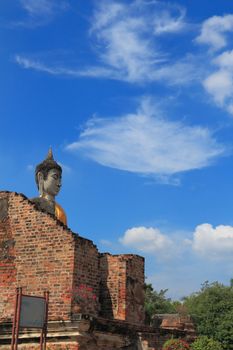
point(30, 312)
point(33, 312)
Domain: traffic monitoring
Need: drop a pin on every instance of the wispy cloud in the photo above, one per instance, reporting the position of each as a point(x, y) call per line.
point(145, 142)
point(178, 73)
point(36, 64)
point(40, 12)
point(28, 63)
point(167, 22)
point(162, 17)
point(127, 43)
point(127, 36)
point(128, 46)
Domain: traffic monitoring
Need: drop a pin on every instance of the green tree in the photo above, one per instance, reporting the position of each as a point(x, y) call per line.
point(157, 303)
point(212, 311)
point(205, 343)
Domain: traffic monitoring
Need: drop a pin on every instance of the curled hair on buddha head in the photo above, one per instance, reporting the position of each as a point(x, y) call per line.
point(48, 164)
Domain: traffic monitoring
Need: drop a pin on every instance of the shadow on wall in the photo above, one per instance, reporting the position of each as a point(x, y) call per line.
point(106, 305)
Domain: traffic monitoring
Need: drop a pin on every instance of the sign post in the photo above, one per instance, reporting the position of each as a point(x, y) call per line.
point(30, 312)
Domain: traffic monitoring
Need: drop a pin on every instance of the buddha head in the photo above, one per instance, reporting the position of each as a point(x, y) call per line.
point(48, 177)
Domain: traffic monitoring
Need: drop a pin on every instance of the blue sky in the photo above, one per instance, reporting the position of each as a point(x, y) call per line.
point(136, 100)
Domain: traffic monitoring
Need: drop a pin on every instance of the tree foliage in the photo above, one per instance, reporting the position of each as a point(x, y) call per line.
point(205, 343)
point(212, 311)
point(157, 303)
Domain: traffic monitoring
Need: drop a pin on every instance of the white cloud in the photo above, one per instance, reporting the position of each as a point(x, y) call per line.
point(28, 63)
point(161, 17)
point(208, 241)
point(126, 39)
point(214, 31)
point(206, 255)
point(128, 47)
point(146, 240)
point(166, 22)
point(31, 63)
point(219, 84)
point(179, 73)
point(225, 60)
point(213, 242)
point(126, 35)
point(145, 142)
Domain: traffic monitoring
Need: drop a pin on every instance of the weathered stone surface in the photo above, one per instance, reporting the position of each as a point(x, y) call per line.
point(3, 208)
point(44, 205)
point(94, 334)
point(5, 249)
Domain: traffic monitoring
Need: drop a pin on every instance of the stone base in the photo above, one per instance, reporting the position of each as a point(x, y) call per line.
point(93, 334)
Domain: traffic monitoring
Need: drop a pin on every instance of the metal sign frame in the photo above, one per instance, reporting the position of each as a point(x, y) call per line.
point(16, 321)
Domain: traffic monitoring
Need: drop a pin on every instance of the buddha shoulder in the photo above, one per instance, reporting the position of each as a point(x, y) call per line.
point(43, 204)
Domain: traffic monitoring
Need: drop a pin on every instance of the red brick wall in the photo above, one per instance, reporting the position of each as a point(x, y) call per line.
point(86, 278)
point(135, 283)
point(113, 282)
point(38, 253)
point(122, 283)
point(46, 256)
point(7, 266)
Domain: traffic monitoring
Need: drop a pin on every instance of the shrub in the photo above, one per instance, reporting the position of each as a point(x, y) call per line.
point(212, 311)
point(176, 344)
point(205, 343)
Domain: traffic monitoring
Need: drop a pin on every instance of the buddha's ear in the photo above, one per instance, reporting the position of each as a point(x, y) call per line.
point(40, 178)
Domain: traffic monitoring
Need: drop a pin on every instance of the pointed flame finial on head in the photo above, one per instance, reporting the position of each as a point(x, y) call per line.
point(50, 154)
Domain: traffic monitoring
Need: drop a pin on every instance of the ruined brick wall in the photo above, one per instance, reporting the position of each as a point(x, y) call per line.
point(135, 289)
point(7, 260)
point(43, 256)
point(122, 287)
point(113, 282)
point(86, 278)
point(38, 253)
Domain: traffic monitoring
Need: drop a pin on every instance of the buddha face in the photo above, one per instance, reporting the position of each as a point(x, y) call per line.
point(52, 184)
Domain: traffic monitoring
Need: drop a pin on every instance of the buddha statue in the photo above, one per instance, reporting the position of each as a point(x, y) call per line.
point(48, 179)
